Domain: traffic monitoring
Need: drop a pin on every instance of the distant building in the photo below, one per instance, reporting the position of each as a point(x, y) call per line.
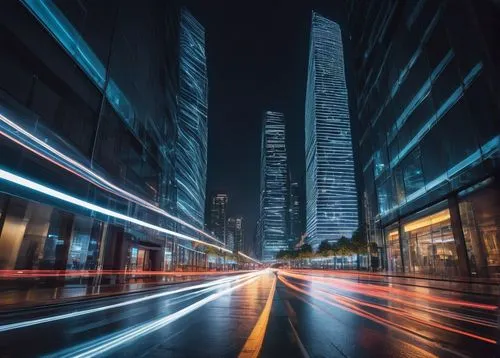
point(218, 216)
point(273, 186)
point(294, 220)
point(192, 132)
point(331, 199)
point(427, 90)
point(239, 237)
point(230, 234)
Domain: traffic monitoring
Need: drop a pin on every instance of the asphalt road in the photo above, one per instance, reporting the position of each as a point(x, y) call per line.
point(281, 314)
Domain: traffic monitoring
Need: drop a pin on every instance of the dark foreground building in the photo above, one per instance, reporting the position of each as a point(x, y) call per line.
point(88, 124)
point(427, 87)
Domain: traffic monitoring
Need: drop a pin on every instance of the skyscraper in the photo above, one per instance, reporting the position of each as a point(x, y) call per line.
point(191, 150)
point(218, 216)
point(273, 186)
point(330, 187)
point(239, 234)
point(427, 97)
point(103, 104)
point(294, 222)
point(230, 228)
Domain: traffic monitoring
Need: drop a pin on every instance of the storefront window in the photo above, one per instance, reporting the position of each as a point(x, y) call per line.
point(480, 216)
point(83, 252)
point(431, 244)
point(393, 251)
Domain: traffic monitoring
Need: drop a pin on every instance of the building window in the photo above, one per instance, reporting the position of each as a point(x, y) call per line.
point(412, 172)
point(480, 216)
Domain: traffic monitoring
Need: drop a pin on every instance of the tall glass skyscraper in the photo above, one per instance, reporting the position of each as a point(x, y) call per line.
point(96, 123)
point(330, 188)
point(273, 186)
point(427, 97)
point(191, 151)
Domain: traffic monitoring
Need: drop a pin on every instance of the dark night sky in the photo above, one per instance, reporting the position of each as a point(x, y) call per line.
point(257, 60)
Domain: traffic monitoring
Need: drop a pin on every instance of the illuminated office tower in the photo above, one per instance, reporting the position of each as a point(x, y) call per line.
point(273, 186)
point(218, 216)
point(191, 148)
point(235, 234)
point(331, 207)
point(294, 222)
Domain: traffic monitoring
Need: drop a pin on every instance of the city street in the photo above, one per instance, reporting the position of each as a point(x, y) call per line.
point(271, 314)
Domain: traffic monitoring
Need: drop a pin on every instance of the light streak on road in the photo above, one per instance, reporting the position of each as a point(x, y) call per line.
point(354, 305)
point(85, 173)
point(374, 290)
point(92, 349)
point(42, 189)
point(216, 283)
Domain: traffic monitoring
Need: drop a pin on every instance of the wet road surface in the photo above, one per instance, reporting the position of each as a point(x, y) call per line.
point(267, 314)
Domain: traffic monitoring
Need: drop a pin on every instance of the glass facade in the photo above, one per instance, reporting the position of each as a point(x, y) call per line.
point(273, 186)
point(425, 86)
point(89, 135)
point(332, 207)
point(191, 151)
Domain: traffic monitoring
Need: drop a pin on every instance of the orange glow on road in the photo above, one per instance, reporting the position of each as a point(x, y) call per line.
point(419, 313)
point(15, 274)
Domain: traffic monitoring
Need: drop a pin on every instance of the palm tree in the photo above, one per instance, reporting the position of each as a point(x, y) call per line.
point(324, 249)
point(344, 248)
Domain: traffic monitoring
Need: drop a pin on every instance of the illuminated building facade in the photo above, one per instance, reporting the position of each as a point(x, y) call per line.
point(273, 186)
point(218, 216)
point(235, 234)
point(88, 116)
point(294, 217)
point(427, 98)
point(191, 146)
point(331, 209)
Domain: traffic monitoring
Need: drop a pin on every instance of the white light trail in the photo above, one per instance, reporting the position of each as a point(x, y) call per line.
point(18, 180)
point(101, 182)
point(249, 258)
point(34, 322)
point(136, 332)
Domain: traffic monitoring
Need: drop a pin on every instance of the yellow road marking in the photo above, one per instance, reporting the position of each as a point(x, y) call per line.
point(253, 345)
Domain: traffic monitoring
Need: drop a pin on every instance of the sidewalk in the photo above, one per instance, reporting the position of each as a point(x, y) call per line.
point(32, 292)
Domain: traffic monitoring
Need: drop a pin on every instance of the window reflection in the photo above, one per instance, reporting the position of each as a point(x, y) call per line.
point(412, 172)
point(393, 251)
point(480, 215)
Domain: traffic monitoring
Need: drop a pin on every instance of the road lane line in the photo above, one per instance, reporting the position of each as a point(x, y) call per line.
point(253, 345)
point(299, 342)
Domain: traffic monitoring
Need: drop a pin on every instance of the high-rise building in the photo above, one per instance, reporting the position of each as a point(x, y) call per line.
point(331, 199)
point(294, 221)
point(96, 121)
point(427, 95)
point(218, 216)
point(192, 133)
point(230, 231)
point(239, 235)
point(235, 234)
point(273, 186)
